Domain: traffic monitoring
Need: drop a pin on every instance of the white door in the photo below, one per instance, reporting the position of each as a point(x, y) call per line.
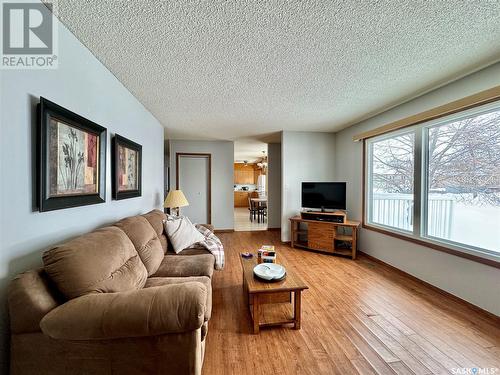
point(193, 181)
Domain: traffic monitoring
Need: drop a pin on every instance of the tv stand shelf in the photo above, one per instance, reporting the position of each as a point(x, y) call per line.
point(325, 236)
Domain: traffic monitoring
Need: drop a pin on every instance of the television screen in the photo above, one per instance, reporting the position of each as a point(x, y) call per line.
point(323, 195)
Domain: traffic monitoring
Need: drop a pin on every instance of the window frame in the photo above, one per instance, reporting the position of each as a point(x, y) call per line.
point(420, 189)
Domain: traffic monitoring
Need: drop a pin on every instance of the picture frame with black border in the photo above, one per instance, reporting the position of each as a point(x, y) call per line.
point(71, 159)
point(126, 168)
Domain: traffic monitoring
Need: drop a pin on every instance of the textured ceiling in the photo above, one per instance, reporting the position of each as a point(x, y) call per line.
point(228, 69)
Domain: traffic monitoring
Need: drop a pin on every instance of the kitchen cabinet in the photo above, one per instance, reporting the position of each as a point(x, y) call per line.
point(244, 174)
point(241, 198)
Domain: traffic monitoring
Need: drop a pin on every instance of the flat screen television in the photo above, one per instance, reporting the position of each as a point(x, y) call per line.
point(323, 195)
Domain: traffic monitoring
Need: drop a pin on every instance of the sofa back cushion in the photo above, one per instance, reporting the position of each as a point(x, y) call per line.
point(156, 219)
point(145, 241)
point(103, 261)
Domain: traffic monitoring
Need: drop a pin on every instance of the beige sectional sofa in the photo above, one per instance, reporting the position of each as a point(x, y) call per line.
point(113, 301)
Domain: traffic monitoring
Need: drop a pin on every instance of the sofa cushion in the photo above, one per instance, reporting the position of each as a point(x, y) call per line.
point(156, 219)
point(182, 266)
point(166, 309)
point(160, 281)
point(190, 251)
point(145, 240)
point(196, 249)
point(103, 261)
point(182, 233)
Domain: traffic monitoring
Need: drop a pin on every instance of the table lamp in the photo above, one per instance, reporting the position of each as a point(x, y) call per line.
point(175, 199)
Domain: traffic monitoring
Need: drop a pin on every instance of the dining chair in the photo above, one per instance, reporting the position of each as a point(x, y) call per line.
point(262, 211)
point(252, 208)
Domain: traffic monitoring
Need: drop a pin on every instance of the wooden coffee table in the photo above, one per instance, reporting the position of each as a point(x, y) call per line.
point(270, 302)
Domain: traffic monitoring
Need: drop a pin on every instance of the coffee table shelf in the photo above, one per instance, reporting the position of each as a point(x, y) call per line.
point(272, 314)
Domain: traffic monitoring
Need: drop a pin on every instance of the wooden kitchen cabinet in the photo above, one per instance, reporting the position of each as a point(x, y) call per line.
point(237, 175)
point(241, 199)
point(244, 174)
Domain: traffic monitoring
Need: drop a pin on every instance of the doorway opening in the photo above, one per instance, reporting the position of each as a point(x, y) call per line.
point(250, 185)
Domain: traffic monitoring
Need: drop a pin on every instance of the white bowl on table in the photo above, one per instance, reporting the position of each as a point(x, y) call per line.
point(269, 271)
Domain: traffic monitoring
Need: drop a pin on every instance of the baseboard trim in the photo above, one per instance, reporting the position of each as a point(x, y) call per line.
point(495, 318)
point(223, 230)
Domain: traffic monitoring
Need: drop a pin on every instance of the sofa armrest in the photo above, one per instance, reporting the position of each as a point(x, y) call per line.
point(145, 312)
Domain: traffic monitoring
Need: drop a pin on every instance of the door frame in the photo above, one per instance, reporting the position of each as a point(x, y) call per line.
point(178, 155)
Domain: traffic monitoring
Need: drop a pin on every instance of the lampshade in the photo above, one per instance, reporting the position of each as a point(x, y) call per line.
point(175, 198)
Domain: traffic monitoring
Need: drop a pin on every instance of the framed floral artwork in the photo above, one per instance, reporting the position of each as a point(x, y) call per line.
point(72, 159)
point(127, 168)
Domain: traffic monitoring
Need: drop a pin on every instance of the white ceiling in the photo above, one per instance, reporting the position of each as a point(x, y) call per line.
point(229, 69)
point(249, 149)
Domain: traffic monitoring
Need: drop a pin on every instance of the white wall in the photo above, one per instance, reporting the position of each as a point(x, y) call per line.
point(274, 185)
point(83, 85)
point(305, 156)
point(222, 176)
point(471, 281)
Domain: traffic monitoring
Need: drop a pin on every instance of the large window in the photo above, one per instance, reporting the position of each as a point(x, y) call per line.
point(439, 181)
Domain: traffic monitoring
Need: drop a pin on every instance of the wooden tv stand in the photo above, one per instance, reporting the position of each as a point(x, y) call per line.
point(325, 236)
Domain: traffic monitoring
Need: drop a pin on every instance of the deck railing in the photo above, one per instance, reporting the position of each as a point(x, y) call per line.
point(396, 210)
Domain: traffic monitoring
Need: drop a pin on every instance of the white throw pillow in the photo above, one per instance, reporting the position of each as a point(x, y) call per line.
point(182, 233)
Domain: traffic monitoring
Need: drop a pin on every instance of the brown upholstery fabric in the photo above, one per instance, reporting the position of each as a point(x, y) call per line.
point(102, 261)
point(177, 353)
point(164, 243)
point(159, 281)
point(145, 240)
point(30, 297)
point(190, 251)
point(156, 218)
point(180, 266)
point(153, 311)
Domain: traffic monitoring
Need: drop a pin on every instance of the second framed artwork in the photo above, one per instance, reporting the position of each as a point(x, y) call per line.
point(126, 168)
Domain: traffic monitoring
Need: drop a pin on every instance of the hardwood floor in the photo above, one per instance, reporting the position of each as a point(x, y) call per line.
point(358, 317)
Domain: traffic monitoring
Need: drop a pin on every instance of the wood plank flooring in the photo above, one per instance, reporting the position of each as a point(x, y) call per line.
point(358, 317)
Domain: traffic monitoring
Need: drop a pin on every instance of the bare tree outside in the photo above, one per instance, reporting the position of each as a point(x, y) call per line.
point(393, 164)
point(464, 159)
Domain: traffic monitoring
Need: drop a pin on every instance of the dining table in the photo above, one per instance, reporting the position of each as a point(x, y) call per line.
point(261, 207)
